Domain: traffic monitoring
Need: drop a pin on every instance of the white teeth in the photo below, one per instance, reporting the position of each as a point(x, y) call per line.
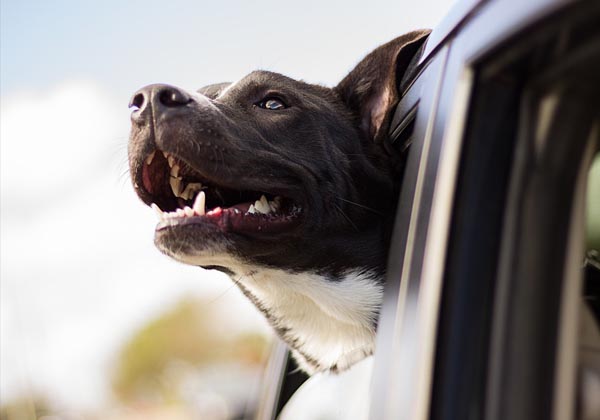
point(190, 190)
point(157, 209)
point(171, 160)
point(165, 154)
point(275, 204)
point(175, 171)
point(264, 201)
point(150, 158)
point(262, 205)
point(200, 203)
point(175, 185)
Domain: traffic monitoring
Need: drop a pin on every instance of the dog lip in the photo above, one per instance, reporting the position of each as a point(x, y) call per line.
point(230, 220)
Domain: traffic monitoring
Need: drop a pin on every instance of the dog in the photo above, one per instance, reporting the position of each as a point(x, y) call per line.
point(288, 187)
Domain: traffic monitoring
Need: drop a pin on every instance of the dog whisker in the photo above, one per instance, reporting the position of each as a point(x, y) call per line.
point(346, 217)
point(220, 296)
point(360, 205)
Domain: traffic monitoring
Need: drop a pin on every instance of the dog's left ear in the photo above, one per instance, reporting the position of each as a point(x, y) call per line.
point(371, 89)
point(212, 91)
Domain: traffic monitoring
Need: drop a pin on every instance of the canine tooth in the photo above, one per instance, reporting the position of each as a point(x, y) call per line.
point(200, 203)
point(157, 209)
point(175, 171)
point(175, 185)
point(188, 211)
point(150, 158)
point(252, 210)
point(165, 154)
point(171, 160)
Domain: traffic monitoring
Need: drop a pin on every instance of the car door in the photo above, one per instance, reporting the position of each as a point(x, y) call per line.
point(486, 286)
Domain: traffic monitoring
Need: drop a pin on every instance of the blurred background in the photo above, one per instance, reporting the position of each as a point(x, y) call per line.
point(95, 322)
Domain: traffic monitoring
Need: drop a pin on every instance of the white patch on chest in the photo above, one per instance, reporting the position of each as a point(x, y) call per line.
point(329, 323)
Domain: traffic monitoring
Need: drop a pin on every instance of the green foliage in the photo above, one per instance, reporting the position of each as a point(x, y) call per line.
point(187, 334)
point(25, 408)
point(593, 206)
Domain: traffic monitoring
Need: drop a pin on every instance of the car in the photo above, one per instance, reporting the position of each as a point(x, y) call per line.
point(492, 303)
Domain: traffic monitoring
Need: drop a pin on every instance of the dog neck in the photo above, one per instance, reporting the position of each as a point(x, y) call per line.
point(329, 323)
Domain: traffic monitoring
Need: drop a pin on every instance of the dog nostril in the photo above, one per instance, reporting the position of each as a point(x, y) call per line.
point(137, 101)
point(173, 98)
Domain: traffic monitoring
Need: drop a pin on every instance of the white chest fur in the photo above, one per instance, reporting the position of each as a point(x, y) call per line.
point(329, 323)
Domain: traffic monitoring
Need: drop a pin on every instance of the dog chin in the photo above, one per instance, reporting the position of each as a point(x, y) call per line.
point(182, 244)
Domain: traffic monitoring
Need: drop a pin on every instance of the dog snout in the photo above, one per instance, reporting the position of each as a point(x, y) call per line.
point(156, 99)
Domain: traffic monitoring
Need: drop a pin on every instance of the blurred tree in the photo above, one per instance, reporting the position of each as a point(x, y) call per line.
point(26, 408)
point(188, 335)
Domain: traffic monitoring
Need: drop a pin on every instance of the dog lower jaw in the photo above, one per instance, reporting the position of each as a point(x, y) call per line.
point(329, 323)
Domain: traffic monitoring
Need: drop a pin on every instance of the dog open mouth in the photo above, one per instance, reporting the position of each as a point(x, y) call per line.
point(180, 195)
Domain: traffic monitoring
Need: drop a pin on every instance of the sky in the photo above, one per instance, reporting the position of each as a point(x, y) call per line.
point(78, 270)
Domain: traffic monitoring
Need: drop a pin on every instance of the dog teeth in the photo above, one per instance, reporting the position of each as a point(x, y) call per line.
point(175, 171)
point(275, 204)
point(150, 158)
point(262, 205)
point(157, 209)
point(264, 201)
point(175, 185)
point(200, 204)
point(191, 189)
point(171, 160)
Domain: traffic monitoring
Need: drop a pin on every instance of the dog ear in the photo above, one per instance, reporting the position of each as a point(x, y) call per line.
point(212, 91)
point(370, 90)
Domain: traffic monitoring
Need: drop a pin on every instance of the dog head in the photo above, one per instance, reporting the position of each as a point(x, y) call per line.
point(288, 187)
point(291, 175)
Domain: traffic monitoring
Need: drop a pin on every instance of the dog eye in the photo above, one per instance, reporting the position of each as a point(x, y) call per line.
point(273, 104)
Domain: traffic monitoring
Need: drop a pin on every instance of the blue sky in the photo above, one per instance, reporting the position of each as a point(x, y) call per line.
point(79, 272)
point(123, 44)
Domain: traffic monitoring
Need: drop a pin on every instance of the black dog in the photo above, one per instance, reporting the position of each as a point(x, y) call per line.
point(287, 187)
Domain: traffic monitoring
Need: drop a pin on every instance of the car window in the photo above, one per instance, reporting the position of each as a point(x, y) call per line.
point(588, 362)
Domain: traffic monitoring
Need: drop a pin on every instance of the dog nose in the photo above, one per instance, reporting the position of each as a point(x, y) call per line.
point(159, 97)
